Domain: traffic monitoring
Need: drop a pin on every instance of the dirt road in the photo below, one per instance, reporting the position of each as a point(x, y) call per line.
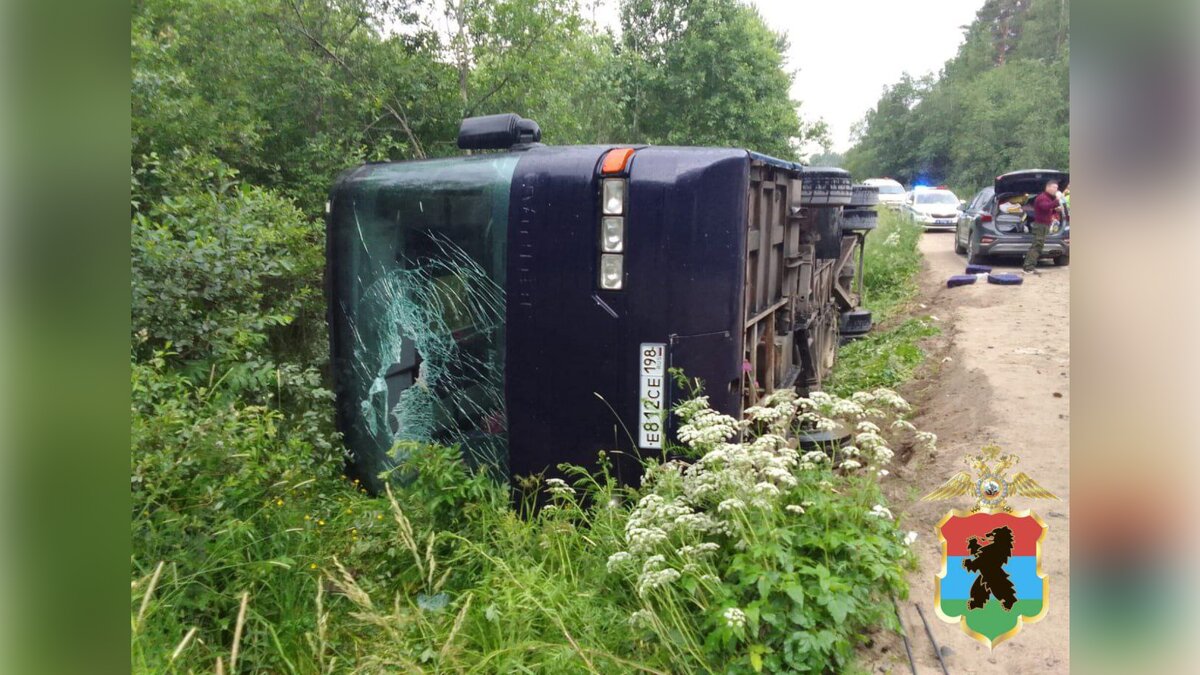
point(999, 373)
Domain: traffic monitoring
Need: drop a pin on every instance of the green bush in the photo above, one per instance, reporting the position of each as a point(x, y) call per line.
point(222, 270)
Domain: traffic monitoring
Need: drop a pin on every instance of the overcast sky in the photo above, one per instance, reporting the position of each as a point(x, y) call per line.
point(845, 51)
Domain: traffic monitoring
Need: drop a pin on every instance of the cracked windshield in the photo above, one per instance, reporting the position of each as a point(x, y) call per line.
point(420, 292)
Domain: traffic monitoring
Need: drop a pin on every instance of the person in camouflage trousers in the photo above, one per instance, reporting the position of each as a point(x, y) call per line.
point(1045, 206)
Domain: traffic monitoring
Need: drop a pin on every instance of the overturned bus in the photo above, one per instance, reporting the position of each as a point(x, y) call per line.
point(526, 303)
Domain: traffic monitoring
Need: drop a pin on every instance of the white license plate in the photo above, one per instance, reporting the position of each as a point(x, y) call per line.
point(652, 402)
point(944, 221)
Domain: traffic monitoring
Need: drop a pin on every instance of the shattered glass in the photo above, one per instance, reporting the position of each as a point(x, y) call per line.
point(417, 270)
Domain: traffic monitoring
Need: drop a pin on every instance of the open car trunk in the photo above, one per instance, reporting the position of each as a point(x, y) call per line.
point(1028, 183)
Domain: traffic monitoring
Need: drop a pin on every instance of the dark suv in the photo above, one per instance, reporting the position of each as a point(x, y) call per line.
point(994, 222)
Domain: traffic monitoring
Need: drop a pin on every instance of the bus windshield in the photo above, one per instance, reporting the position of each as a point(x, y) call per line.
point(417, 270)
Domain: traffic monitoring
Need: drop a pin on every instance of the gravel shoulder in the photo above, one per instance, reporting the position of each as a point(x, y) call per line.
point(999, 373)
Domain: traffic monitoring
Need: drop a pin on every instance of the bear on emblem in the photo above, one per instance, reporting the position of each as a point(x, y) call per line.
point(987, 560)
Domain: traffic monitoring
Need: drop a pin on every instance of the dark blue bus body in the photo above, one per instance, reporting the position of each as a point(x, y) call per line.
point(467, 307)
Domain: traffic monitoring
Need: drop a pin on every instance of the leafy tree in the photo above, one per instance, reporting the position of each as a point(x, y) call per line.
point(1002, 103)
point(708, 72)
point(827, 158)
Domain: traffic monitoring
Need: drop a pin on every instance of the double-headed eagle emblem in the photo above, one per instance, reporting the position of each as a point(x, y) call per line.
point(991, 488)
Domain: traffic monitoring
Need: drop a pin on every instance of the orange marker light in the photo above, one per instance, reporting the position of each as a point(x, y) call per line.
point(616, 160)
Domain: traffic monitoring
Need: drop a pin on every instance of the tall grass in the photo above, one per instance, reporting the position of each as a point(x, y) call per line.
point(889, 354)
point(750, 556)
point(890, 265)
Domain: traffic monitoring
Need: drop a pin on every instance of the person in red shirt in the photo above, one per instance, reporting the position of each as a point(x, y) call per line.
point(1045, 207)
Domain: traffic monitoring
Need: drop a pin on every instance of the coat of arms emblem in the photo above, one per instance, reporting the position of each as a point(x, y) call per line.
point(991, 582)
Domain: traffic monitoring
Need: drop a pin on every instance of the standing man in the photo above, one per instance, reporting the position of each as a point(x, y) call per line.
point(1044, 208)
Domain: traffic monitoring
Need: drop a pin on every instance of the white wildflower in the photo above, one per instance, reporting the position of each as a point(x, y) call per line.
point(815, 456)
point(765, 488)
point(820, 398)
point(851, 464)
point(846, 408)
point(618, 560)
point(880, 511)
point(910, 538)
point(869, 439)
point(795, 508)
point(695, 522)
point(690, 407)
point(653, 563)
point(644, 539)
point(697, 550)
point(780, 475)
point(558, 486)
point(883, 454)
point(890, 398)
point(735, 618)
point(731, 504)
point(656, 579)
point(761, 414)
point(640, 618)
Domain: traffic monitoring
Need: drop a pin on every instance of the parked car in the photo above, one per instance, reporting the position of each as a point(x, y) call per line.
point(891, 192)
point(991, 226)
point(934, 208)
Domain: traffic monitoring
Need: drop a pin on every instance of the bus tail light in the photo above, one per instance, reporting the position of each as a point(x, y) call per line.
point(612, 271)
point(613, 197)
point(612, 234)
